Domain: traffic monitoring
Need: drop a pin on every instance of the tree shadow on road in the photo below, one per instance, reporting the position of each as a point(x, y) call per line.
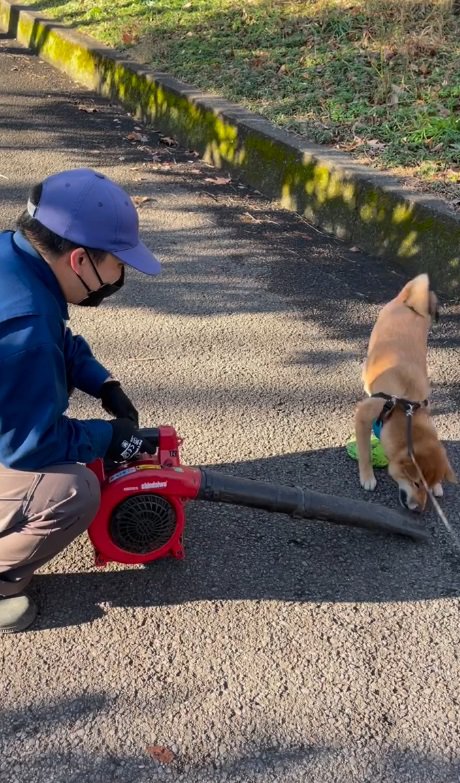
point(265, 752)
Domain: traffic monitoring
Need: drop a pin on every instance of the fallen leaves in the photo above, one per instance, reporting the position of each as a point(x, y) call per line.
point(396, 93)
point(141, 200)
point(88, 109)
point(259, 60)
point(247, 217)
point(160, 753)
point(375, 144)
point(218, 180)
point(129, 37)
point(164, 165)
point(283, 70)
point(169, 141)
point(370, 146)
point(135, 136)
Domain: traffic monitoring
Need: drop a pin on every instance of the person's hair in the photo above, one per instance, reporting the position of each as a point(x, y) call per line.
point(47, 241)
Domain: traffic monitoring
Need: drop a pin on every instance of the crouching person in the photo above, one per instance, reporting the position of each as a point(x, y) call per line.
point(72, 245)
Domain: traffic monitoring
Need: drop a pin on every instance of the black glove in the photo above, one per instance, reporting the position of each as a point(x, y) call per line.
point(116, 402)
point(127, 442)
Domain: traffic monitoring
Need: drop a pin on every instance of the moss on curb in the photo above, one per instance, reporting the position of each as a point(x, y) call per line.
point(346, 199)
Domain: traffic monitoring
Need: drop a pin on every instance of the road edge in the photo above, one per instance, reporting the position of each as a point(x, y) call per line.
point(362, 206)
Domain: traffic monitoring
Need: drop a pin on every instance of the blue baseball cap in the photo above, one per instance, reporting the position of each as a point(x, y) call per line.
point(87, 208)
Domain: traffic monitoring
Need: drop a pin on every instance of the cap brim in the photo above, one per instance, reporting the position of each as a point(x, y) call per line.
point(140, 258)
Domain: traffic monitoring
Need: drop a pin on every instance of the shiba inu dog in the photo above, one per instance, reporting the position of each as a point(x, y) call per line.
point(396, 369)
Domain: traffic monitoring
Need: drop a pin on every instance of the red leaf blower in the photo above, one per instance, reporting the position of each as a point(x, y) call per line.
point(141, 516)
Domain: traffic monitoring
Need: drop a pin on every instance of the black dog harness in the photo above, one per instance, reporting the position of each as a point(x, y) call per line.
point(408, 406)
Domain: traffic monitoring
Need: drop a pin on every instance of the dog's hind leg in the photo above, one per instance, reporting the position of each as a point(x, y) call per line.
point(367, 411)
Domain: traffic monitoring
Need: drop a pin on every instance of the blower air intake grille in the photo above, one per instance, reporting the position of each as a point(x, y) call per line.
point(142, 523)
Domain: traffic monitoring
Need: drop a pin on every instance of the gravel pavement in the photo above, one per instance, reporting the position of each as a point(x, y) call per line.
point(278, 651)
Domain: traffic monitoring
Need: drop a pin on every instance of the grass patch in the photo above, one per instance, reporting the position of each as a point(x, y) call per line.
point(380, 80)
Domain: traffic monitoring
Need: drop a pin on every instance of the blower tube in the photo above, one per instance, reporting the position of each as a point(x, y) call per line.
point(299, 503)
point(304, 504)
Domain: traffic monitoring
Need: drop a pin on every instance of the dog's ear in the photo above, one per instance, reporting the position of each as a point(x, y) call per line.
point(433, 306)
point(417, 296)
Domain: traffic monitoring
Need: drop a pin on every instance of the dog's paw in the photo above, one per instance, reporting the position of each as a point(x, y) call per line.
point(369, 483)
point(438, 491)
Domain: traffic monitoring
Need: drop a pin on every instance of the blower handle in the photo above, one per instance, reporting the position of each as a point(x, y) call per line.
point(304, 504)
point(152, 434)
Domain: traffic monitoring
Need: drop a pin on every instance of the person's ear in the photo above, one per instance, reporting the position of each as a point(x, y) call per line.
point(76, 259)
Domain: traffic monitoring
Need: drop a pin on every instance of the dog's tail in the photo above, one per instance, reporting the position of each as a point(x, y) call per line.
point(418, 296)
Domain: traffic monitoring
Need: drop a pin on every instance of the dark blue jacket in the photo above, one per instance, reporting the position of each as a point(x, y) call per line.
point(40, 360)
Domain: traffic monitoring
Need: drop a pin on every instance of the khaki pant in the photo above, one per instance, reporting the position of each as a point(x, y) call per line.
point(40, 514)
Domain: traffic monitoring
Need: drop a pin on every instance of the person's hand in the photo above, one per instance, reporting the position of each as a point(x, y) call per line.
point(127, 442)
point(116, 402)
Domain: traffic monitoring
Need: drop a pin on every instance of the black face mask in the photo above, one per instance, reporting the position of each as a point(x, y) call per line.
point(95, 298)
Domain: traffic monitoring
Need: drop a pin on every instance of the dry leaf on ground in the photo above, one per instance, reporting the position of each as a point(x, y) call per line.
point(218, 180)
point(375, 144)
point(87, 109)
point(160, 753)
point(246, 217)
point(129, 37)
point(134, 136)
point(141, 200)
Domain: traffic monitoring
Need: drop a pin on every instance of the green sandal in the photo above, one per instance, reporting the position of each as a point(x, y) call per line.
point(378, 456)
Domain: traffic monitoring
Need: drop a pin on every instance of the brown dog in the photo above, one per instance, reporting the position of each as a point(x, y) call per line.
point(396, 366)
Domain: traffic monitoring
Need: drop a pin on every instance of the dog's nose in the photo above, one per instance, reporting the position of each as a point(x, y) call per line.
point(403, 498)
point(405, 503)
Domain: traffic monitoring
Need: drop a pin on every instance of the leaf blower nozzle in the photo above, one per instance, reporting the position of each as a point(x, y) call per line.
point(304, 504)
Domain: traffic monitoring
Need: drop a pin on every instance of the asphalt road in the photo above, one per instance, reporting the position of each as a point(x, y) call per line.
point(278, 650)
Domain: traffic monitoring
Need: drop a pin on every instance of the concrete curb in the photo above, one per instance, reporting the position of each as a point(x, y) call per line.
point(367, 208)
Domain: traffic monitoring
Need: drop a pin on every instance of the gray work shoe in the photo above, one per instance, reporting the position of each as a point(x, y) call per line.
point(17, 612)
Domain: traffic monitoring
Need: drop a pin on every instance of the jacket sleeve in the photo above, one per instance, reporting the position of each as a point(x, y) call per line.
point(34, 432)
point(83, 371)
